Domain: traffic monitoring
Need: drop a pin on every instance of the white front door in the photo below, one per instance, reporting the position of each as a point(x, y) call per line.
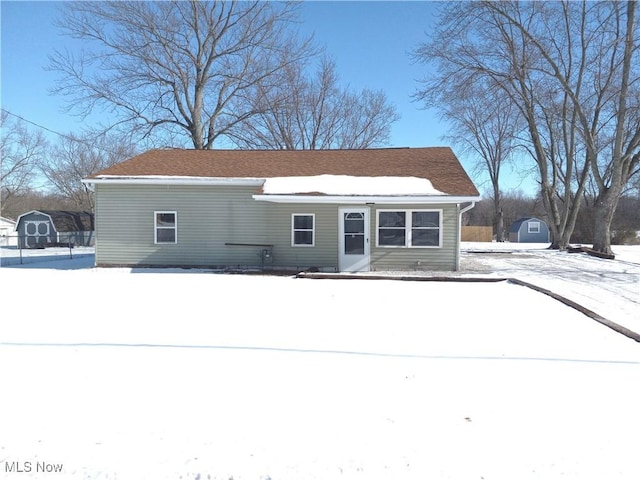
point(353, 231)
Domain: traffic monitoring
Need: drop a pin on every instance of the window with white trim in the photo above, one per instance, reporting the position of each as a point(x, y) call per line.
point(165, 227)
point(303, 229)
point(409, 228)
point(533, 227)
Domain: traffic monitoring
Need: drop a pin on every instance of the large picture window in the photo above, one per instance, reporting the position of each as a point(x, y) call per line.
point(166, 227)
point(409, 228)
point(303, 229)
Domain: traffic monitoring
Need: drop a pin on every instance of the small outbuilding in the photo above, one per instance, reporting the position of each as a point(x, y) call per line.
point(529, 230)
point(46, 228)
point(7, 232)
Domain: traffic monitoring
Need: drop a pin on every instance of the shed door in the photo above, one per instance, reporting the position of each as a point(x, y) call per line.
point(34, 229)
point(353, 239)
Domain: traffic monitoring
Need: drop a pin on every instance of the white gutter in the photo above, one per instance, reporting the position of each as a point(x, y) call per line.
point(362, 199)
point(469, 207)
point(160, 180)
point(465, 209)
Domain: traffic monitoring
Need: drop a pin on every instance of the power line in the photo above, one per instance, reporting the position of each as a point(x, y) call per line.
point(41, 126)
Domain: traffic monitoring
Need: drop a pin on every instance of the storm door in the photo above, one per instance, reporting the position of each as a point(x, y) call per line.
point(353, 239)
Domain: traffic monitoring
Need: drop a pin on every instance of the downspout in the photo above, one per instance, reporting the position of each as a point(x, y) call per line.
point(92, 187)
point(460, 212)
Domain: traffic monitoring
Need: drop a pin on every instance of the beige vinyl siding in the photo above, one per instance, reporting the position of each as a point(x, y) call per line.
point(208, 218)
point(416, 258)
point(324, 254)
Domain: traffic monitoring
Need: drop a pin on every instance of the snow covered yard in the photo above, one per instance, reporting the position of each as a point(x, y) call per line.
point(169, 374)
point(610, 288)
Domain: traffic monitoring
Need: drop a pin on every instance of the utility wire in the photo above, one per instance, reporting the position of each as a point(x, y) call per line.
point(42, 127)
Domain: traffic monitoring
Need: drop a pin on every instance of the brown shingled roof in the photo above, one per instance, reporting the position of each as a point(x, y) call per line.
point(438, 164)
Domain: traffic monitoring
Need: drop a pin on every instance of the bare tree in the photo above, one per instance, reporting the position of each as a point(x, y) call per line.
point(76, 158)
point(309, 112)
point(567, 67)
point(483, 123)
point(35, 199)
point(601, 98)
point(634, 185)
point(20, 152)
point(620, 161)
point(186, 68)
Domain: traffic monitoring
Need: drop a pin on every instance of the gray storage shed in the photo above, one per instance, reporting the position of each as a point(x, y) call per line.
point(45, 228)
point(529, 230)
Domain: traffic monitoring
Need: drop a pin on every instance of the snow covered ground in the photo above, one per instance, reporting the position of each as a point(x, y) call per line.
point(184, 374)
point(609, 288)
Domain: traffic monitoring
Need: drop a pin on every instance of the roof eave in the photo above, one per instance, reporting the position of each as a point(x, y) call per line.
point(162, 180)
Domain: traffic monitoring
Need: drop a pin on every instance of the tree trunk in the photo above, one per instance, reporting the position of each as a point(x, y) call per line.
point(621, 166)
point(555, 237)
point(499, 226)
point(497, 210)
point(550, 207)
point(604, 210)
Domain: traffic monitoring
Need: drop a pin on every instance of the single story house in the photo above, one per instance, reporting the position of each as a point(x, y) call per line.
point(529, 230)
point(327, 210)
point(44, 228)
point(7, 232)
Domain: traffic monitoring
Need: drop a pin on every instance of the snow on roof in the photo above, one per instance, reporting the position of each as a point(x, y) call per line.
point(349, 185)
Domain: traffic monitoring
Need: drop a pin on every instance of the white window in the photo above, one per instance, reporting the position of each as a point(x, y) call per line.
point(303, 229)
point(166, 227)
point(409, 228)
point(533, 227)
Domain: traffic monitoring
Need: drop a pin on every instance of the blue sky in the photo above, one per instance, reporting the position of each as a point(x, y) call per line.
point(370, 42)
